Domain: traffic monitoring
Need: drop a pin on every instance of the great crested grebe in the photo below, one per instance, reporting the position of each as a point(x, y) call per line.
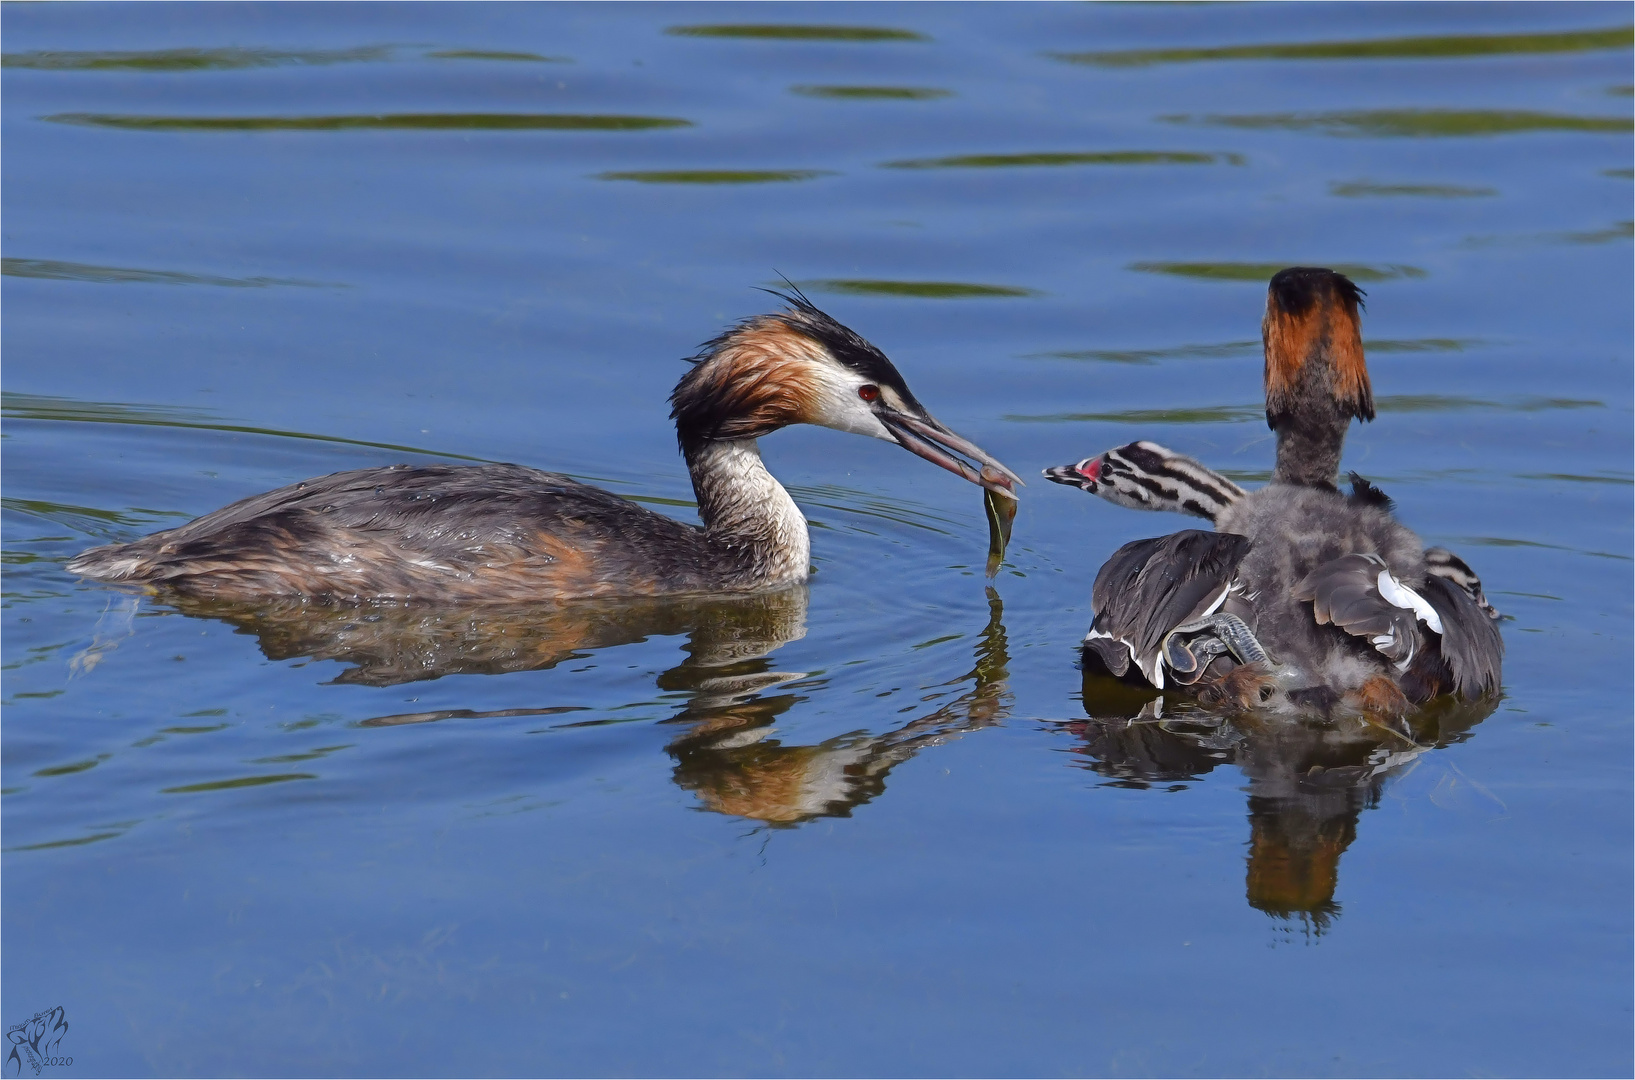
point(506, 532)
point(1302, 596)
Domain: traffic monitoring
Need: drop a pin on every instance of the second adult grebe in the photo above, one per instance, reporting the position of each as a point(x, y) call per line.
point(506, 532)
point(1302, 597)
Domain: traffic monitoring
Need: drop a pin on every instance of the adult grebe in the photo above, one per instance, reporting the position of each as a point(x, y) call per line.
point(506, 532)
point(1303, 596)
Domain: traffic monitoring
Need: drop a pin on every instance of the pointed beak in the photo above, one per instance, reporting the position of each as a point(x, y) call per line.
point(1083, 474)
point(929, 439)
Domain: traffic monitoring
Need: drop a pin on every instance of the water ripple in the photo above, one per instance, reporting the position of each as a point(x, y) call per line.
point(376, 122)
point(229, 59)
point(1106, 157)
point(1151, 356)
point(716, 176)
point(930, 290)
point(790, 32)
point(1399, 48)
point(872, 93)
point(1361, 189)
point(1233, 414)
point(495, 54)
point(1415, 123)
point(1262, 272)
point(58, 270)
point(236, 782)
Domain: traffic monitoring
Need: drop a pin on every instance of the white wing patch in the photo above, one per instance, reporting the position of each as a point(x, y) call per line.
point(1399, 595)
point(1102, 635)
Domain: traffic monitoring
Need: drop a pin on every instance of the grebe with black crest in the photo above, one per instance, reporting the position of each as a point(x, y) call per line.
point(508, 532)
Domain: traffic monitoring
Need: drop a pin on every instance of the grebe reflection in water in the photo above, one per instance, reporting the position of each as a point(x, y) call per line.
point(724, 751)
point(1308, 780)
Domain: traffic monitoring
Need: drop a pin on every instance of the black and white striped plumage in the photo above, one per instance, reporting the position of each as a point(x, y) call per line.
point(1145, 476)
point(1343, 600)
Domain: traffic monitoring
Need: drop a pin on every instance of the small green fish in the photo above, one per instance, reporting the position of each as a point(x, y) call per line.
point(1001, 513)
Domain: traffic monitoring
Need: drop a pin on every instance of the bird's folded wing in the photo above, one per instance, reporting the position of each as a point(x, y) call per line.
point(1150, 587)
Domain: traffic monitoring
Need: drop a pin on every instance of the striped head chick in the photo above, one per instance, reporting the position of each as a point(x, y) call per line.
point(1146, 476)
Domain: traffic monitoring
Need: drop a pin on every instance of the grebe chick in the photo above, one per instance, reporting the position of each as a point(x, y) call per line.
point(506, 532)
point(1302, 597)
point(1145, 476)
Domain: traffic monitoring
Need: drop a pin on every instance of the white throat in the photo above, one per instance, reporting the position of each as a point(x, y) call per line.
point(741, 503)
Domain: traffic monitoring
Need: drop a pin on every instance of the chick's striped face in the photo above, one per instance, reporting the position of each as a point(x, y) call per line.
point(1145, 476)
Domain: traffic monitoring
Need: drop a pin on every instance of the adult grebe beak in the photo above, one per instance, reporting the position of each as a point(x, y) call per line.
point(925, 436)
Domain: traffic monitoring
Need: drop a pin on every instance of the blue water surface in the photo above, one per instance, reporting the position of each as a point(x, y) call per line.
point(881, 825)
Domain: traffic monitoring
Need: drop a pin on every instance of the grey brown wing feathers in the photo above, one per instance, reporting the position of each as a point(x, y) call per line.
point(1346, 592)
point(1150, 587)
point(1436, 633)
point(1471, 646)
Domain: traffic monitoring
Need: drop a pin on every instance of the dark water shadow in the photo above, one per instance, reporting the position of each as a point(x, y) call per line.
point(375, 122)
point(1429, 47)
point(1147, 357)
point(57, 270)
point(1237, 414)
point(1415, 123)
point(1262, 272)
point(716, 176)
point(724, 753)
point(1364, 189)
point(872, 93)
point(1205, 414)
point(1423, 345)
point(1105, 157)
point(1309, 781)
point(179, 60)
point(1219, 350)
point(499, 55)
point(924, 290)
point(795, 32)
point(1622, 230)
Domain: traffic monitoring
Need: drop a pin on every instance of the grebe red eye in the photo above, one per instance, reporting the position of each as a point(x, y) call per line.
point(868, 391)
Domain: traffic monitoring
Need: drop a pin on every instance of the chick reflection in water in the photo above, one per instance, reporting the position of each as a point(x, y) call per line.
point(1309, 781)
point(724, 752)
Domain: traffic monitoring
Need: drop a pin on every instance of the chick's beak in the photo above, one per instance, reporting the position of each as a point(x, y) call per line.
point(924, 436)
point(1083, 474)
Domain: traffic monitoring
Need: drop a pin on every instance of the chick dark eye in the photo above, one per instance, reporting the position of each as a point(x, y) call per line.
point(868, 392)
